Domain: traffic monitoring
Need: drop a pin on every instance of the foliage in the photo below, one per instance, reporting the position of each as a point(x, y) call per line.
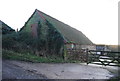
point(8, 54)
point(48, 40)
point(9, 41)
point(41, 40)
point(55, 40)
point(6, 29)
point(9, 38)
point(14, 42)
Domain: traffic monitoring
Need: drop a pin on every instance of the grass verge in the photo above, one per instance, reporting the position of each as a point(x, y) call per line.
point(8, 54)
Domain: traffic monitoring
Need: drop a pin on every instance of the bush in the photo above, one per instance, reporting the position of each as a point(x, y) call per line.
point(29, 57)
point(9, 41)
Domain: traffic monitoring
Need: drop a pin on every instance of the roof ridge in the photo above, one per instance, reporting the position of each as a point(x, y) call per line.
point(70, 27)
point(41, 15)
point(56, 19)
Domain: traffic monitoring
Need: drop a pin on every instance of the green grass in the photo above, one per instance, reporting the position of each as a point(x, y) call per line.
point(7, 54)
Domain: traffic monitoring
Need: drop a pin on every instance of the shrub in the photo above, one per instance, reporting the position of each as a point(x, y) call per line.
point(9, 41)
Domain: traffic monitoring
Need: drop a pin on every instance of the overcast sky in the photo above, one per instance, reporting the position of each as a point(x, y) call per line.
point(97, 19)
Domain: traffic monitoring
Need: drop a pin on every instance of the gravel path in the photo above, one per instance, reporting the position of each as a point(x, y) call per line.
point(21, 69)
point(12, 71)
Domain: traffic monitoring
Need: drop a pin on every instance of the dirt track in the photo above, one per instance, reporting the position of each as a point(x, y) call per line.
point(12, 71)
point(28, 70)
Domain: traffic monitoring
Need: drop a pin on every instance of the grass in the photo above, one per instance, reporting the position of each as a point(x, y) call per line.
point(8, 54)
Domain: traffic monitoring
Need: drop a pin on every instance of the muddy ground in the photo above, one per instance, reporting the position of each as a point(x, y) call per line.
point(28, 70)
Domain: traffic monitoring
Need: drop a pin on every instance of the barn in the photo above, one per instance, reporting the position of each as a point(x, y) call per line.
point(52, 35)
point(5, 28)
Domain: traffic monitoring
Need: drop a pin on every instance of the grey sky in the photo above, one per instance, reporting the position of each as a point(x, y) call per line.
point(97, 19)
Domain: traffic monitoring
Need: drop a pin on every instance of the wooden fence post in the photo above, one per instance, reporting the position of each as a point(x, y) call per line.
point(87, 56)
point(65, 53)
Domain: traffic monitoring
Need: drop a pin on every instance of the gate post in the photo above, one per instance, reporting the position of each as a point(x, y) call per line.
point(87, 56)
point(65, 53)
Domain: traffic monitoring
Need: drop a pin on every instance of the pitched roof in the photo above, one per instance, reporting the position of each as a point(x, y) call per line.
point(5, 28)
point(69, 33)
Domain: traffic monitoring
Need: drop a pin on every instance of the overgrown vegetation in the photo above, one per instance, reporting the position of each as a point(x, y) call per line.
point(55, 40)
point(48, 41)
point(7, 54)
point(6, 29)
point(22, 44)
point(8, 41)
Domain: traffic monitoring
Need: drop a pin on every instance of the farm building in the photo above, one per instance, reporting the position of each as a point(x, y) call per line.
point(102, 47)
point(54, 37)
point(5, 28)
point(89, 47)
point(7, 35)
